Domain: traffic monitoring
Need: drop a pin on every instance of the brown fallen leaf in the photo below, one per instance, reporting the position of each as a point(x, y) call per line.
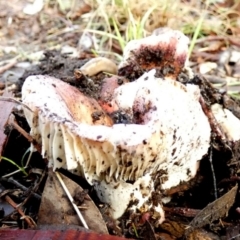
point(56, 209)
point(200, 234)
point(5, 111)
point(176, 229)
point(165, 236)
point(213, 211)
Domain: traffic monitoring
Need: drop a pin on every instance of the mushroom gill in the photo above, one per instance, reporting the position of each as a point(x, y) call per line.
point(166, 136)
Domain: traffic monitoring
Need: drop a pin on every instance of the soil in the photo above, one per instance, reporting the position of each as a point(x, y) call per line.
point(62, 67)
point(191, 196)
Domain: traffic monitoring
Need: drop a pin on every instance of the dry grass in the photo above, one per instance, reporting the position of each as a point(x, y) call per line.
point(118, 21)
point(115, 22)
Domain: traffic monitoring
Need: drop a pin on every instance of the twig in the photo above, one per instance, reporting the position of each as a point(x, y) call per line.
point(30, 223)
point(232, 40)
point(8, 222)
point(213, 173)
point(13, 181)
point(182, 211)
point(8, 66)
point(14, 124)
point(206, 56)
point(72, 201)
point(216, 128)
point(13, 100)
point(35, 188)
point(215, 79)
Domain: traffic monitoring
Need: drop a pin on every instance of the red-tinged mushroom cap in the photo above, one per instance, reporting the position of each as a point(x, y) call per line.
point(169, 133)
point(160, 144)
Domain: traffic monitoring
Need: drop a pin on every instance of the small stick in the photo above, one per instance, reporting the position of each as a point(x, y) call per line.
point(213, 122)
point(35, 188)
point(13, 123)
point(72, 201)
point(13, 181)
point(8, 66)
point(219, 38)
point(30, 223)
point(182, 211)
point(9, 222)
point(213, 173)
point(13, 100)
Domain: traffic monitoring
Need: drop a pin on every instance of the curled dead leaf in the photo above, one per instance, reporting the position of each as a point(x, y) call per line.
point(60, 212)
point(214, 211)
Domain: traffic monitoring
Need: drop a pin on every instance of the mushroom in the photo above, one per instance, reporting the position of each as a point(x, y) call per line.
point(164, 50)
point(127, 163)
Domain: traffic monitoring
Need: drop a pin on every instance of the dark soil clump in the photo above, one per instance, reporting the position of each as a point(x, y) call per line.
point(61, 66)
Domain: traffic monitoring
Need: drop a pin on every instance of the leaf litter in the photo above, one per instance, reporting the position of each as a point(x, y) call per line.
point(60, 212)
point(59, 68)
point(214, 211)
point(136, 225)
point(68, 203)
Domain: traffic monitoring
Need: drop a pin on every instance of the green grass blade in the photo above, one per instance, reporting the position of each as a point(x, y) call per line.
point(16, 165)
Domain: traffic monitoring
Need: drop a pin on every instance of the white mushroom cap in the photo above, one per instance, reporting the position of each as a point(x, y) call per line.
point(167, 136)
point(165, 49)
point(170, 136)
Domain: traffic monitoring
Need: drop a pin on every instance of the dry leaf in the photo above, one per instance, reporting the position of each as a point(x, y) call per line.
point(214, 210)
point(56, 209)
point(200, 234)
point(176, 229)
